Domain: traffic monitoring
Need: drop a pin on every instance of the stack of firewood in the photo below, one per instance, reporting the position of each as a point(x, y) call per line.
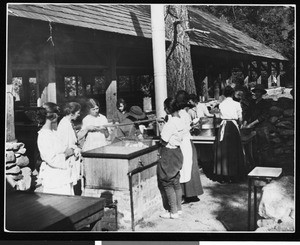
point(18, 175)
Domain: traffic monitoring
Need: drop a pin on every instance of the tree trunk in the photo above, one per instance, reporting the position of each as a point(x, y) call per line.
point(178, 55)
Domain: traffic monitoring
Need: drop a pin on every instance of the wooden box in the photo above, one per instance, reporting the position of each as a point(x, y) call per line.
point(107, 167)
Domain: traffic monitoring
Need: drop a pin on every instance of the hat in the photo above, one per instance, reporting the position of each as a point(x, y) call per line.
point(136, 112)
point(259, 87)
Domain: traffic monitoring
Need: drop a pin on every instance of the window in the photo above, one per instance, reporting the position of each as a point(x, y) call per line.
point(25, 90)
point(73, 86)
point(99, 87)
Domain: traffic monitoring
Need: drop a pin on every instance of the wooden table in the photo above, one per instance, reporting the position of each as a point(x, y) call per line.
point(34, 211)
point(259, 177)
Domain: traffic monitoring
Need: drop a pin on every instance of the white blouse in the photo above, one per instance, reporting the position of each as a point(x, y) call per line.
point(55, 169)
point(230, 109)
point(67, 133)
point(94, 139)
point(94, 121)
point(172, 132)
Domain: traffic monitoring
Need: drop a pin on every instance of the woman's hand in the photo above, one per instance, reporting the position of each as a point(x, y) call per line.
point(140, 137)
point(91, 128)
point(77, 152)
point(104, 131)
point(69, 152)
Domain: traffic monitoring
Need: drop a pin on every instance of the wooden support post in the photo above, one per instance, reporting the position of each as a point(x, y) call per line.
point(111, 82)
point(258, 71)
point(229, 76)
point(49, 76)
point(38, 88)
point(246, 73)
point(278, 73)
point(10, 120)
point(159, 60)
point(269, 72)
point(60, 88)
point(205, 88)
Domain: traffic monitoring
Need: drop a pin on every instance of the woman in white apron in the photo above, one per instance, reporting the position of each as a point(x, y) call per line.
point(189, 174)
point(229, 159)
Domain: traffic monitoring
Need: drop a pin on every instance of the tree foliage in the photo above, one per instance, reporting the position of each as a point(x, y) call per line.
point(271, 25)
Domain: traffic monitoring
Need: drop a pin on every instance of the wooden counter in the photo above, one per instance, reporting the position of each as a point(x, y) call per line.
point(107, 167)
point(34, 211)
point(210, 139)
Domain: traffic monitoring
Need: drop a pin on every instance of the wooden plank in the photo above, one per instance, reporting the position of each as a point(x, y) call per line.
point(39, 211)
point(111, 83)
point(10, 121)
point(106, 173)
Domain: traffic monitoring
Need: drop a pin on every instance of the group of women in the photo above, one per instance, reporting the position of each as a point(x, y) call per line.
point(60, 143)
point(177, 170)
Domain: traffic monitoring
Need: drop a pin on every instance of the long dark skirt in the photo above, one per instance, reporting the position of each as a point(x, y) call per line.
point(193, 188)
point(229, 159)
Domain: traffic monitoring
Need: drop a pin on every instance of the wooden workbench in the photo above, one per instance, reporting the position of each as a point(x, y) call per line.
point(34, 211)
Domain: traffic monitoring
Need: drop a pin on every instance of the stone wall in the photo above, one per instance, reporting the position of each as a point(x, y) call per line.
point(281, 121)
point(18, 175)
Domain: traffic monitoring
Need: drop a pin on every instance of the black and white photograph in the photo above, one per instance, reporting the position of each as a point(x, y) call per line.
point(150, 119)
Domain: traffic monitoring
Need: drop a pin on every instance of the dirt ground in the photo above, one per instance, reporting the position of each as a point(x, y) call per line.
point(222, 207)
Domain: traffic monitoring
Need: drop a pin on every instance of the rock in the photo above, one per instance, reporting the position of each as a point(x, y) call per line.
point(275, 140)
point(9, 146)
point(11, 183)
point(288, 113)
point(285, 103)
point(22, 161)
point(10, 165)
point(26, 171)
point(10, 157)
point(277, 201)
point(271, 225)
point(13, 170)
point(291, 119)
point(17, 177)
point(286, 132)
point(25, 182)
point(275, 111)
point(273, 119)
point(21, 151)
point(17, 146)
point(285, 124)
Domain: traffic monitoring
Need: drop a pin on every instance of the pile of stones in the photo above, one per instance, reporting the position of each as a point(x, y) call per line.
point(18, 174)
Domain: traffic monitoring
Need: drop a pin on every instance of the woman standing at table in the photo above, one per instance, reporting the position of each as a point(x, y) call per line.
point(55, 170)
point(189, 174)
point(69, 139)
point(121, 113)
point(93, 123)
point(170, 163)
point(229, 162)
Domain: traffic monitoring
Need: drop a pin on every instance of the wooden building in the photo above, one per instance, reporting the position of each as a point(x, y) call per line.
point(63, 52)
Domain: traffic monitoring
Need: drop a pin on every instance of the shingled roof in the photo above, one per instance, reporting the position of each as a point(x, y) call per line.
point(135, 20)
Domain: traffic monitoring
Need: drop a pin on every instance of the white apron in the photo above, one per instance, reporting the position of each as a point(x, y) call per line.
point(187, 152)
